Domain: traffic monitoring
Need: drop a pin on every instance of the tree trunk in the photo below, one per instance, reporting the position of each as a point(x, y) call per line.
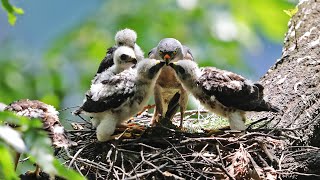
point(293, 84)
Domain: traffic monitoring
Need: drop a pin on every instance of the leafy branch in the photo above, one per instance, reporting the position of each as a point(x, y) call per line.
point(29, 138)
point(12, 11)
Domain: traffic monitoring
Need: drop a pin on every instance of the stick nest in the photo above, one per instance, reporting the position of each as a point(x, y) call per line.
point(163, 153)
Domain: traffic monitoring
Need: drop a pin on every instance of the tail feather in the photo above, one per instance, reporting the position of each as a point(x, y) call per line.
point(266, 106)
point(173, 106)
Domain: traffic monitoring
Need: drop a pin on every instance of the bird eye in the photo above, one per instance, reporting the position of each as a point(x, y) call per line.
point(160, 53)
point(123, 57)
point(175, 52)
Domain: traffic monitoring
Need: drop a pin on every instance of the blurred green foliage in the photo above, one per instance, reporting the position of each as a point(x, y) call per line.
point(28, 138)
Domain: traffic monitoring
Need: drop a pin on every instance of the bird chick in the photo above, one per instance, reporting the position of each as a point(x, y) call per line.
point(124, 37)
point(115, 100)
point(123, 57)
point(222, 92)
point(168, 92)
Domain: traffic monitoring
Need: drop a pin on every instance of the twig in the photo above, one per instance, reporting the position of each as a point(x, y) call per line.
point(264, 162)
point(200, 152)
point(267, 152)
point(219, 154)
point(281, 172)
point(311, 147)
point(191, 112)
point(212, 163)
point(141, 144)
point(25, 159)
point(67, 108)
point(147, 172)
point(257, 169)
point(289, 136)
point(76, 155)
point(280, 160)
point(83, 119)
point(301, 127)
point(82, 130)
point(258, 134)
point(75, 164)
point(185, 160)
point(86, 161)
point(255, 122)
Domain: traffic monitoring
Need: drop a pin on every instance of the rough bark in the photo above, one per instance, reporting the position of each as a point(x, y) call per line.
point(293, 84)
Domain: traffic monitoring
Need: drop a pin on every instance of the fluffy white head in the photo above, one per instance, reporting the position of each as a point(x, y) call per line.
point(149, 68)
point(126, 37)
point(186, 70)
point(124, 57)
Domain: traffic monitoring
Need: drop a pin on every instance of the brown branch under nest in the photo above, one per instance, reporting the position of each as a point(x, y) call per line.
point(163, 153)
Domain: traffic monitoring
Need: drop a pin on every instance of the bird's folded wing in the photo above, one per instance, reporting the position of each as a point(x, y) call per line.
point(107, 61)
point(111, 93)
point(187, 54)
point(230, 89)
point(152, 53)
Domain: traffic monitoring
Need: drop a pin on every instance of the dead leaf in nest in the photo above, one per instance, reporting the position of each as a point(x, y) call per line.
point(77, 126)
point(239, 164)
point(276, 143)
point(168, 174)
point(271, 173)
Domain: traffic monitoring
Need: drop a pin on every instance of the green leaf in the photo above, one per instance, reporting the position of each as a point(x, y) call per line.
point(24, 123)
point(291, 12)
point(66, 173)
point(11, 11)
point(12, 18)
point(18, 10)
point(12, 138)
point(35, 138)
point(6, 163)
point(40, 149)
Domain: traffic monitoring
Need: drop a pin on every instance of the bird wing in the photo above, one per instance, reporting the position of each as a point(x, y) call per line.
point(110, 93)
point(107, 61)
point(187, 54)
point(152, 53)
point(230, 89)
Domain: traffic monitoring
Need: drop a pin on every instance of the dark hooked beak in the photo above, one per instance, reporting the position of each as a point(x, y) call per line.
point(159, 64)
point(134, 61)
point(176, 67)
